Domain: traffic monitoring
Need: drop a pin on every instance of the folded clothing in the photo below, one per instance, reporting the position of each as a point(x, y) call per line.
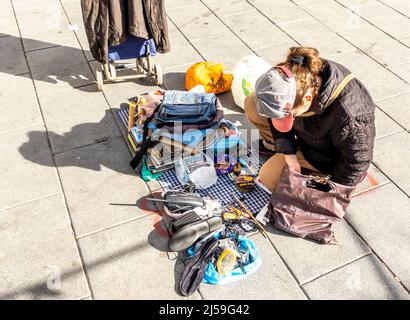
point(187, 107)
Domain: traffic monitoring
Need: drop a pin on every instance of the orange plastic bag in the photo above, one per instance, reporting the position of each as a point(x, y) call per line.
point(210, 75)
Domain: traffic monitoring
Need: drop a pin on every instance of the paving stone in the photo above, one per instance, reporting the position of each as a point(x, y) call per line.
point(380, 82)
point(82, 118)
point(39, 257)
point(26, 168)
point(174, 79)
point(22, 109)
point(385, 125)
point(276, 54)
point(182, 53)
point(309, 260)
point(43, 24)
point(200, 24)
point(220, 50)
point(256, 30)
point(389, 155)
point(402, 6)
point(271, 281)
point(179, 3)
point(403, 71)
point(388, 231)
point(374, 179)
point(75, 16)
point(94, 179)
point(12, 59)
point(8, 25)
point(223, 9)
point(319, 36)
point(346, 20)
point(59, 68)
point(130, 262)
point(279, 11)
point(365, 279)
point(397, 108)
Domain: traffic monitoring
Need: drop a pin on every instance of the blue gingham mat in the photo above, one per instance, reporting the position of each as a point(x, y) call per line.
point(221, 191)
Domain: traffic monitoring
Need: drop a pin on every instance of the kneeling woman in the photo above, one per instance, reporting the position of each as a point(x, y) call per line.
point(312, 113)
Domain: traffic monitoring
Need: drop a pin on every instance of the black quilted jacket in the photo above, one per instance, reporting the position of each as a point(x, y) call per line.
point(337, 140)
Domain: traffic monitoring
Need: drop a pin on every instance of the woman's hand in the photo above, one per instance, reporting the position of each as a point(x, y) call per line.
point(293, 162)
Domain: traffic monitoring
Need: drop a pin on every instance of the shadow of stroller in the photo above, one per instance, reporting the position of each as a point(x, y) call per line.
point(52, 64)
point(108, 150)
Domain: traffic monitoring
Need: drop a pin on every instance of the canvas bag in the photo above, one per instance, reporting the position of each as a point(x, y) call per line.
point(299, 208)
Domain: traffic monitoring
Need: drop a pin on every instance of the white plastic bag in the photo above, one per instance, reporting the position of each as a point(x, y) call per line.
point(202, 177)
point(245, 74)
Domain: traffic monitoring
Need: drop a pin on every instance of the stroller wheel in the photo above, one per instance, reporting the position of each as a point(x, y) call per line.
point(100, 79)
point(158, 74)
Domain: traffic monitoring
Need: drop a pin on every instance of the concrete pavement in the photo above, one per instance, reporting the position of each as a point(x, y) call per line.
point(64, 162)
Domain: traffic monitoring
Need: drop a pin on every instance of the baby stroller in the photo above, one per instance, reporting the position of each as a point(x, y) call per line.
point(133, 48)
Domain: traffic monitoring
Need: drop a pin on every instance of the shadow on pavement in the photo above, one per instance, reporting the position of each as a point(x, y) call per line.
point(102, 152)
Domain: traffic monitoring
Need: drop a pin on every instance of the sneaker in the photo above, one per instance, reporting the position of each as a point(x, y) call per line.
point(263, 150)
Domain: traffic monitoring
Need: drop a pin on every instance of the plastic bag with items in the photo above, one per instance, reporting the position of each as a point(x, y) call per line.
point(245, 74)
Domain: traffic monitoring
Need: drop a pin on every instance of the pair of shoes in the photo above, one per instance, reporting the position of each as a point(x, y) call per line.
point(190, 233)
point(263, 150)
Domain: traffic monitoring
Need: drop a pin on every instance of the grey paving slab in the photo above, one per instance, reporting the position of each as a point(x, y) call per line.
point(220, 49)
point(75, 17)
point(12, 59)
point(385, 226)
point(389, 155)
point(271, 281)
point(94, 179)
point(8, 25)
point(81, 118)
point(385, 125)
point(174, 79)
point(130, 262)
point(196, 21)
point(402, 70)
point(182, 53)
point(381, 83)
point(365, 279)
point(22, 108)
point(397, 108)
point(59, 68)
point(319, 36)
point(26, 168)
point(374, 179)
point(224, 9)
point(346, 20)
point(385, 18)
point(309, 260)
point(39, 257)
point(402, 6)
point(275, 54)
point(179, 3)
point(362, 34)
point(256, 30)
point(279, 11)
point(43, 24)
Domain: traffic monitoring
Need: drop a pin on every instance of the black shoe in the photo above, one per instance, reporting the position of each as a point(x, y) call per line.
point(265, 151)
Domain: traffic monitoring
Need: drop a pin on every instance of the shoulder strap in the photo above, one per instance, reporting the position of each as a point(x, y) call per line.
point(334, 95)
point(146, 142)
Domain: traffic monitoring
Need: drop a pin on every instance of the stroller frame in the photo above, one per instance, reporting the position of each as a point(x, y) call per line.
point(144, 67)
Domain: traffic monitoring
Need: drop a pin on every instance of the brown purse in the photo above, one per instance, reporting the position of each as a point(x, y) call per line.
point(307, 205)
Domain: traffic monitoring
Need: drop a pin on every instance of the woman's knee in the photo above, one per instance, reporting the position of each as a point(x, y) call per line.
point(250, 108)
point(271, 171)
